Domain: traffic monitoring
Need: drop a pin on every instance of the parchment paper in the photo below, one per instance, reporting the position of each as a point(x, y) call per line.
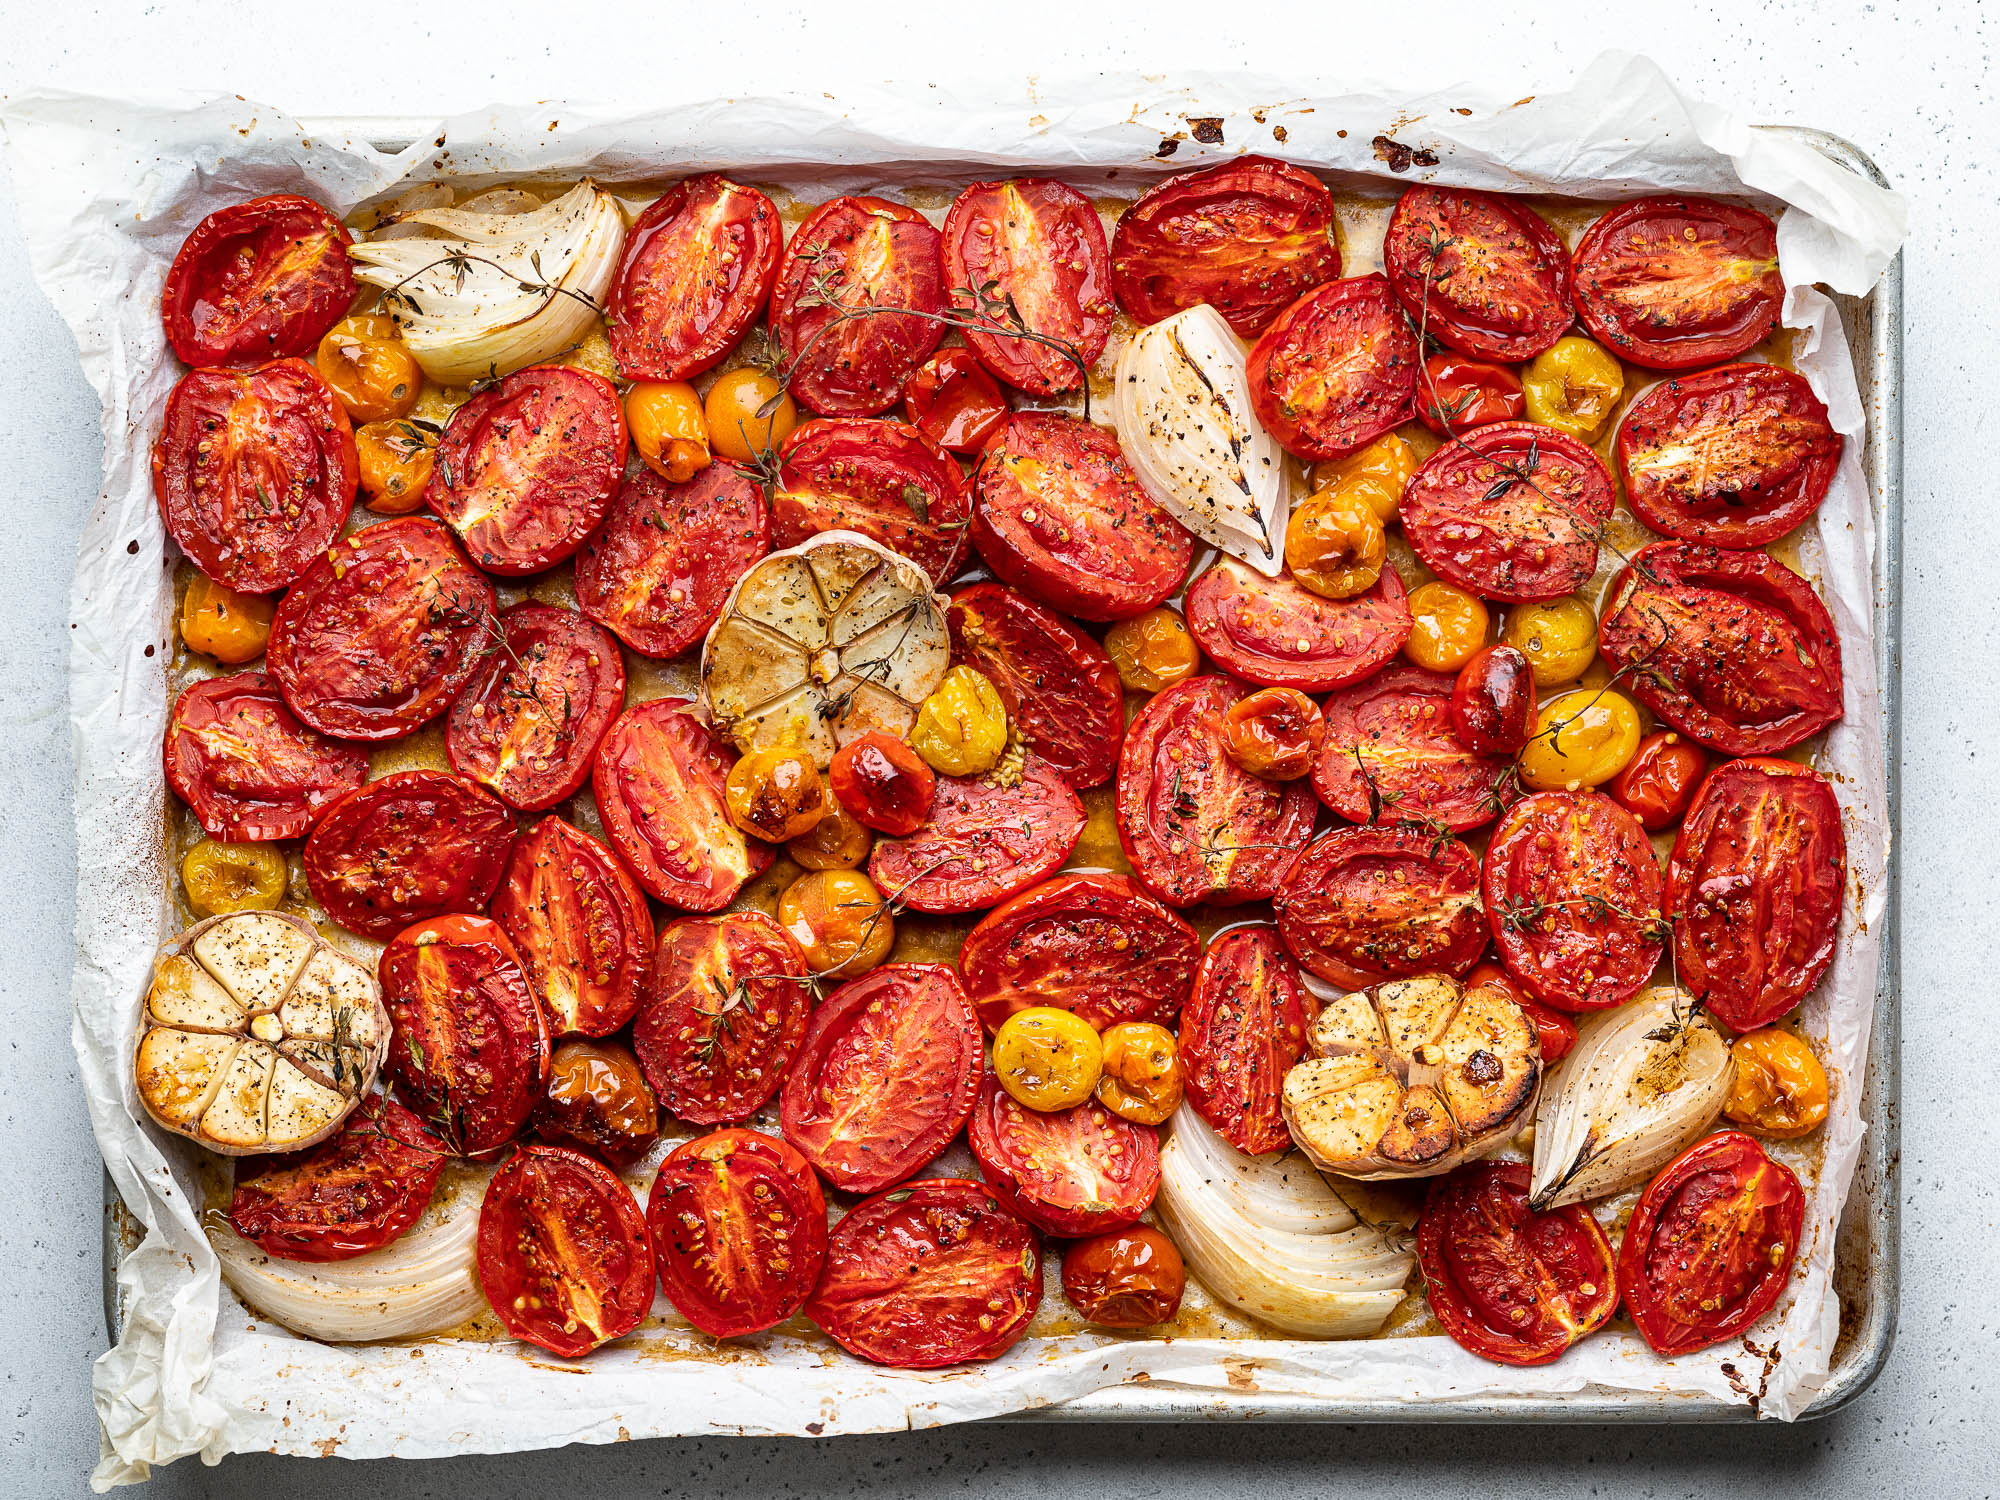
point(107, 190)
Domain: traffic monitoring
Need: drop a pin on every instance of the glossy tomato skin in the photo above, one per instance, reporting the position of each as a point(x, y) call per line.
point(1059, 685)
point(1671, 283)
point(955, 403)
point(883, 783)
point(381, 631)
point(1456, 395)
point(1097, 945)
point(1738, 651)
point(697, 269)
point(885, 1077)
point(1248, 237)
point(247, 768)
point(1041, 243)
point(938, 1273)
point(526, 467)
point(1484, 274)
point(657, 572)
point(1275, 633)
point(1058, 513)
point(564, 1256)
point(1127, 1278)
point(528, 723)
point(1367, 904)
point(984, 841)
point(411, 845)
point(580, 925)
point(658, 779)
point(1735, 456)
point(1493, 701)
point(597, 1099)
point(1392, 753)
point(865, 252)
point(884, 479)
point(1555, 1031)
point(1513, 1286)
point(1757, 875)
point(1710, 1246)
point(258, 280)
point(1336, 370)
point(254, 472)
point(352, 1193)
point(1068, 1172)
point(1275, 733)
point(739, 1229)
point(1241, 1029)
point(1660, 782)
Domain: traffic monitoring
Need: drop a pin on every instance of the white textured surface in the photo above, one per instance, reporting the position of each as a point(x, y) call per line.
point(1912, 88)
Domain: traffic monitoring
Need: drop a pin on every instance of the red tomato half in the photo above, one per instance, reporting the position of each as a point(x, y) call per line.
point(933, 1274)
point(1337, 369)
point(1057, 512)
point(1367, 904)
point(1757, 875)
point(984, 842)
point(698, 265)
point(1735, 457)
point(955, 403)
point(380, 633)
point(248, 769)
point(658, 781)
point(1456, 395)
point(1483, 274)
point(529, 721)
point(1273, 632)
point(258, 280)
point(1242, 1028)
point(1671, 283)
point(255, 473)
point(1511, 1285)
point(564, 1256)
point(884, 479)
point(885, 1077)
point(1731, 648)
point(1093, 944)
point(1072, 1172)
point(1039, 246)
point(1195, 825)
point(1513, 511)
point(1392, 754)
point(857, 252)
point(1573, 896)
point(412, 845)
point(1058, 684)
point(1710, 1247)
point(580, 925)
point(526, 467)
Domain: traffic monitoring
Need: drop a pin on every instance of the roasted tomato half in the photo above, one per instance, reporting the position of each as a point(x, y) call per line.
point(1733, 649)
point(1710, 1246)
point(580, 925)
point(1573, 896)
point(1248, 237)
point(1756, 877)
point(955, 402)
point(1273, 632)
point(246, 767)
point(1511, 1285)
point(885, 1077)
point(698, 265)
point(1513, 511)
point(1735, 457)
point(1337, 369)
point(380, 633)
point(254, 472)
point(1483, 274)
point(1671, 283)
point(258, 280)
point(1456, 395)
point(884, 479)
point(934, 1274)
point(1241, 1029)
point(412, 845)
point(1392, 755)
point(1070, 1172)
point(1195, 825)
point(1367, 904)
point(1060, 687)
point(986, 841)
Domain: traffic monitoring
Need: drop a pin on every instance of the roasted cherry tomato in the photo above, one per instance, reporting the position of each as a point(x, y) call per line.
point(1078, 1170)
point(697, 268)
point(1573, 387)
point(1392, 754)
point(597, 1099)
point(1038, 245)
point(1482, 273)
point(219, 622)
point(883, 479)
point(1582, 739)
point(1558, 636)
point(1335, 545)
point(749, 413)
point(1060, 689)
point(580, 926)
point(1046, 1058)
point(395, 461)
point(1274, 733)
point(1129, 1278)
point(1709, 1249)
point(1367, 904)
point(254, 472)
point(564, 1256)
point(1243, 1026)
point(1555, 1031)
point(954, 402)
point(353, 1193)
point(1456, 395)
point(885, 1077)
point(1671, 283)
point(934, 1274)
point(1493, 701)
point(219, 878)
point(246, 768)
point(883, 783)
point(961, 728)
point(1447, 626)
point(739, 1228)
point(1512, 1285)
point(838, 841)
point(1779, 1089)
point(1273, 632)
point(1337, 368)
point(669, 429)
point(1660, 780)
point(775, 793)
point(258, 280)
point(367, 366)
point(839, 920)
point(986, 841)
point(1152, 651)
point(410, 846)
point(1141, 1081)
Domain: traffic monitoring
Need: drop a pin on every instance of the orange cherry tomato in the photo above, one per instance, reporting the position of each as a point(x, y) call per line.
point(369, 369)
point(395, 460)
point(668, 428)
point(1555, 1031)
point(1128, 1278)
point(1274, 733)
point(839, 920)
point(1335, 545)
point(1779, 1089)
point(838, 841)
point(219, 622)
point(1659, 782)
point(1152, 651)
point(736, 431)
point(1447, 626)
point(598, 1099)
point(1141, 1081)
point(955, 401)
point(776, 794)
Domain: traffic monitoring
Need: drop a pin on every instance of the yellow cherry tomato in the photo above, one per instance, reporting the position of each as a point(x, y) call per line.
point(1779, 1089)
point(775, 794)
point(838, 841)
point(369, 369)
point(1152, 651)
point(224, 624)
point(1582, 738)
point(1335, 545)
point(1048, 1059)
point(668, 428)
point(221, 878)
point(840, 921)
point(1447, 626)
point(1375, 474)
point(734, 429)
point(1141, 1081)
point(1573, 387)
point(395, 460)
point(1559, 638)
point(961, 729)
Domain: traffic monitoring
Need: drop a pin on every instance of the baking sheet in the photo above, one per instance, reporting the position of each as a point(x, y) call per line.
point(107, 191)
